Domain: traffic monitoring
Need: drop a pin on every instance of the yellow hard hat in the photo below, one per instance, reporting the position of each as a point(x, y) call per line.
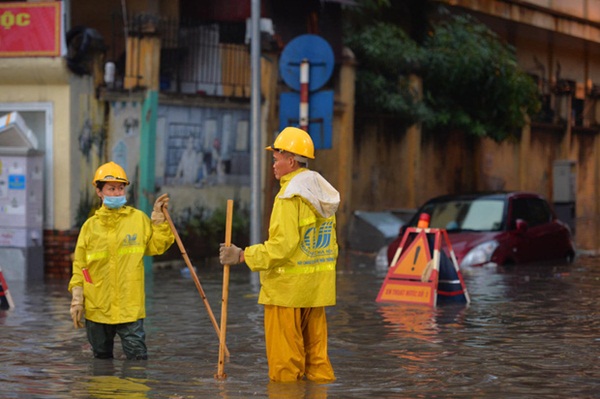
point(110, 171)
point(294, 140)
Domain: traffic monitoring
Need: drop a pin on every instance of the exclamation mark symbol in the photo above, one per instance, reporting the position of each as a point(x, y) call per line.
point(416, 257)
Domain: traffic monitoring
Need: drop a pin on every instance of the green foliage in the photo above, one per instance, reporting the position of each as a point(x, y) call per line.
point(386, 54)
point(471, 80)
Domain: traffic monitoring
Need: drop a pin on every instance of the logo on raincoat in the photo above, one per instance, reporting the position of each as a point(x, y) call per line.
point(316, 242)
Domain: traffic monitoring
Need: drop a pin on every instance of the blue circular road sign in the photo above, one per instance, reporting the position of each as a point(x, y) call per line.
point(316, 51)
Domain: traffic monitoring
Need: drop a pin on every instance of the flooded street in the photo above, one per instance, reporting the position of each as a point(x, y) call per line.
point(529, 331)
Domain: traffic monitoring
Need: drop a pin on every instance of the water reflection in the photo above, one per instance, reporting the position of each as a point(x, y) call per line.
point(529, 331)
point(410, 321)
point(299, 390)
point(116, 381)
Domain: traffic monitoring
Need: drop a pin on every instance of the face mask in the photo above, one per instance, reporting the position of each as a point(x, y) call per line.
point(114, 202)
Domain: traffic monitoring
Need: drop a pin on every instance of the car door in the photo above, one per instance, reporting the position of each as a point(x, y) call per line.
point(523, 246)
point(541, 240)
point(548, 235)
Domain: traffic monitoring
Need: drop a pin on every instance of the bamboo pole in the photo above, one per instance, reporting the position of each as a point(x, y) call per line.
point(193, 274)
point(220, 368)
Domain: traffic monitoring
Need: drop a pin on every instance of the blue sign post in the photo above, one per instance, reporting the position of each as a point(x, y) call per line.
point(319, 54)
point(320, 109)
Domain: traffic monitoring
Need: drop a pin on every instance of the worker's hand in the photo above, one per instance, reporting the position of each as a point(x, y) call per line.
point(231, 255)
point(77, 307)
point(157, 214)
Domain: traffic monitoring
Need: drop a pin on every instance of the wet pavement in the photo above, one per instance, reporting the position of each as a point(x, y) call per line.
point(530, 331)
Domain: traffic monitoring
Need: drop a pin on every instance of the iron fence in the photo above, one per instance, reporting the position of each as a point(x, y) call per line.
point(196, 60)
point(205, 59)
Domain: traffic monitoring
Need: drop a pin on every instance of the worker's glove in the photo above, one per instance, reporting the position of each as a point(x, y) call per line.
point(231, 255)
point(157, 214)
point(77, 306)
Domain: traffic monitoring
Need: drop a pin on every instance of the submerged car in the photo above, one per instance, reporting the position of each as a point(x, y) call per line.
point(500, 228)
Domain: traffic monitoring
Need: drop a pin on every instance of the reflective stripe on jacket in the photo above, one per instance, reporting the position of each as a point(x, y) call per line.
point(297, 262)
point(111, 245)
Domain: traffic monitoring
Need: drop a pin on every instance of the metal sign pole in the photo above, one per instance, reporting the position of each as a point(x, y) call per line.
point(255, 170)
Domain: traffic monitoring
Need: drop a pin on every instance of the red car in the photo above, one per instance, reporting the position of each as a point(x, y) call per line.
point(500, 228)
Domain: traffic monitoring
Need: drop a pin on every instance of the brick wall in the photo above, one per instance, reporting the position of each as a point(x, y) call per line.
point(59, 246)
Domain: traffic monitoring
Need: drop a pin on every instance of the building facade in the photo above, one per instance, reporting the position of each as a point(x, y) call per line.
point(162, 88)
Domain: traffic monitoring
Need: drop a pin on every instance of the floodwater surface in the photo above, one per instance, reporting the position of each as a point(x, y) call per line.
point(529, 331)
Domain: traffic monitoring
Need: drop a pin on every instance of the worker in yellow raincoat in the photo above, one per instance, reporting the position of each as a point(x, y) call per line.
point(108, 267)
point(296, 264)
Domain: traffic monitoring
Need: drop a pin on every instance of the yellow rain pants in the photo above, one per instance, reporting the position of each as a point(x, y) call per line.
point(296, 342)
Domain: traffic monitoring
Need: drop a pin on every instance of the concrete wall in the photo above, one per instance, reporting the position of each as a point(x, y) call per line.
point(457, 163)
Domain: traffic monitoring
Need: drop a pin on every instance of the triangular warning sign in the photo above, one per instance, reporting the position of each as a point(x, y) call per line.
point(6, 301)
point(412, 263)
point(417, 278)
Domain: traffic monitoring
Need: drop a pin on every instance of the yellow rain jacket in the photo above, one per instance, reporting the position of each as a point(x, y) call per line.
point(297, 262)
point(111, 246)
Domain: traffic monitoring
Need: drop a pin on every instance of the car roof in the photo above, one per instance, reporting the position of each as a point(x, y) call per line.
point(502, 195)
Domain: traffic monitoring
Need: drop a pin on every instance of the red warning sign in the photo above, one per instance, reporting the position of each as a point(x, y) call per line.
point(406, 291)
point(417, 278)
point(6, 301)
point(410, 280)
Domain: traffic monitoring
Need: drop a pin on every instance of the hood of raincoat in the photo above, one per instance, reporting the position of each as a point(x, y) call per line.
point(315, 190)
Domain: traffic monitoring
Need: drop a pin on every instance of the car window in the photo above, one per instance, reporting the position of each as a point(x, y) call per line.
point(478, 214)
point(484, 215)
point(539, 211)
point(519, 211)
point(534, 211)
point(443, 214)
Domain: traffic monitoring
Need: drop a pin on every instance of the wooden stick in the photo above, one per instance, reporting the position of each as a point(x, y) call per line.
point(220, 373)
point(193, 273)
